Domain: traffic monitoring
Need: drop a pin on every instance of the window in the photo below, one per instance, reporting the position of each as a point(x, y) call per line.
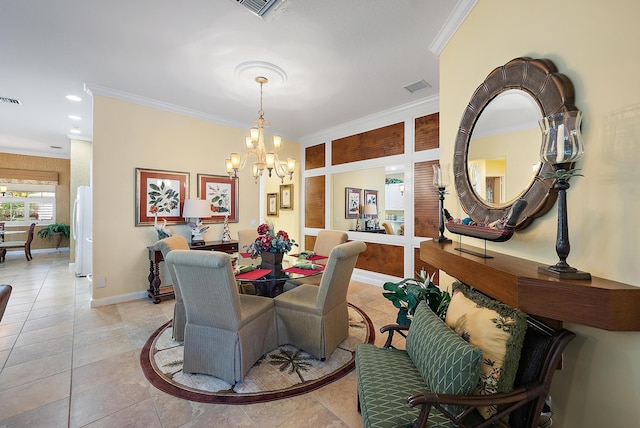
point(24, 204)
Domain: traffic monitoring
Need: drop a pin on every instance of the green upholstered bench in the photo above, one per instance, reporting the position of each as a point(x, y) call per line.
point(433, 382)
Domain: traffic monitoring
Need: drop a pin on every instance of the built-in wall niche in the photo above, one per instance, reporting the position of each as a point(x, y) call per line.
point(390, 197)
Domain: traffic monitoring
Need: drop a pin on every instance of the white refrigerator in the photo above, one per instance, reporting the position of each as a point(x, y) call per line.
point(82, 230)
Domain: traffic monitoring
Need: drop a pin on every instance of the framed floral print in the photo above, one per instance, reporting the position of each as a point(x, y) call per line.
point(286, 196)
point(272, 204)
point(371, 197)
point(160, 194)
point(352, 202)
point(222, 193)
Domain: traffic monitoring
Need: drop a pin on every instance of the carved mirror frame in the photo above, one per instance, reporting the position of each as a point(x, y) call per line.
point(553, 92)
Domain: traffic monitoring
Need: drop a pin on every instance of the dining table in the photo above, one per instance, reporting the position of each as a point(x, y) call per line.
point(269, 280)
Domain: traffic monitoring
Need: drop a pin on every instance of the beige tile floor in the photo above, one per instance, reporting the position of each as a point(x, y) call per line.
point(64, 364)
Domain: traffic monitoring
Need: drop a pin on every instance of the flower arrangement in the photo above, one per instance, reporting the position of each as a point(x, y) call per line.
point(270, 242)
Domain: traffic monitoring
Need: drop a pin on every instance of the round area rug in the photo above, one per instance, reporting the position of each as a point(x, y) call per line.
point(283, 372)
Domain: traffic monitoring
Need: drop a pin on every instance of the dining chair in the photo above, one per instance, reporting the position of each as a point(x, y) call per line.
point(246, 237)
point(26, 244)
point(316, 319)
point(387, 229)
point(326, 241)
point(226, 332)
point(5, 292)
point(179, 317)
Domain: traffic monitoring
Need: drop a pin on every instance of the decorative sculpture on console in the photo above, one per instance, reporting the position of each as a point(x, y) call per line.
point(163, 231)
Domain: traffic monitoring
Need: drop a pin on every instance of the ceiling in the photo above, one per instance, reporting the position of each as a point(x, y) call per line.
point(341, 60)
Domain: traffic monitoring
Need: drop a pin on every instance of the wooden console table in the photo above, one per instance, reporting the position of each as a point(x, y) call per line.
point(599, 303)
point(156, 291)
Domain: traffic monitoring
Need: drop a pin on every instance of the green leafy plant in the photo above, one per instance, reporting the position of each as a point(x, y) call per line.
point(54, 233)
point(406, 294)
point(50, 230)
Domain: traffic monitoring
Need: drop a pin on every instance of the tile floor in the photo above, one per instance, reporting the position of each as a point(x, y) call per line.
point(64, 364)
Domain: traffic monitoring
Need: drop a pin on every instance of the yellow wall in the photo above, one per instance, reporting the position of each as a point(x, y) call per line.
point(589, 42)
point(369, 179)
point(129, 135)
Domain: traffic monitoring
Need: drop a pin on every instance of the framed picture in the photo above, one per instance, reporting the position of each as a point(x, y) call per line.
point(272, 204)
point(352, 202)
point(371, 197)
point(222, 193)
point(162, 194)
point(286, 196)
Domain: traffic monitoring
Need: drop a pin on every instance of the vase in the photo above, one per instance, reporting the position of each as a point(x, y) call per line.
point(271, 261)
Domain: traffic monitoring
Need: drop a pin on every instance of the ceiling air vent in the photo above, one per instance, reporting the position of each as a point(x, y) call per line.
point(414, 87)
point(259, 7)
point(10, 100)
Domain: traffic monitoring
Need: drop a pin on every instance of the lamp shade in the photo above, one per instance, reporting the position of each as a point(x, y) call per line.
point(196, 208)
point(370, 209)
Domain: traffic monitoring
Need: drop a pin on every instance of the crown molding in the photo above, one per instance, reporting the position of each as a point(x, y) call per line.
point(386, 117)
point(92, 88)
point(458, 15)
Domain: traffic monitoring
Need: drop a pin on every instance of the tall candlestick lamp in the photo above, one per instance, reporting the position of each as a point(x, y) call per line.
point(440, 182)
point(562, 146)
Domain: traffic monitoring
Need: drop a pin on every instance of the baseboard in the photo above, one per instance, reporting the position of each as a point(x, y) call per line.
point(373, 278)
point(121, 298)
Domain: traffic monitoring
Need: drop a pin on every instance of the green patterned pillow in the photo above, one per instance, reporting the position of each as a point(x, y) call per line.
point(494, 327)
point(448, 364)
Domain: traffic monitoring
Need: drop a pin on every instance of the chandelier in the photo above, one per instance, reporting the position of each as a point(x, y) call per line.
point(256, 149)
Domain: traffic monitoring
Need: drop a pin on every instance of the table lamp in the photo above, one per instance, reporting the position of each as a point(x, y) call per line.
point(197, 209)
point(370, 210)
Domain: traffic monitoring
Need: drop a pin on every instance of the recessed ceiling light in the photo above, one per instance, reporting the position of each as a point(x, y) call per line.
point(73, 98)
point(74, 117)
point(75, 131)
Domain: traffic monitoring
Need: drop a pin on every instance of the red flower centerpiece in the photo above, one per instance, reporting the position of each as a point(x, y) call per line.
point(270, 242)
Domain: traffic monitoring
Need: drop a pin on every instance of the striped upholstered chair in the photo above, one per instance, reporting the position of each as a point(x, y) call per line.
point(226, 332)
point(179, 317)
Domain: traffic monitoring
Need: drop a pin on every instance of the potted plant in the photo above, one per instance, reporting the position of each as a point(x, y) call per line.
point(406, 294)
point(55, 232)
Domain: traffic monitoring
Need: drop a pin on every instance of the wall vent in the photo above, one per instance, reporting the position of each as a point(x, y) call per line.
point(413, 87)
point(10, 101)
point(258, 7)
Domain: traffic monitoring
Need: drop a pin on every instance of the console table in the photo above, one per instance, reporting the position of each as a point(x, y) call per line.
point(599, 303)
point(156, 291)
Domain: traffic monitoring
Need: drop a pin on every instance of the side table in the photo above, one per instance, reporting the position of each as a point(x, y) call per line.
point(159, 293)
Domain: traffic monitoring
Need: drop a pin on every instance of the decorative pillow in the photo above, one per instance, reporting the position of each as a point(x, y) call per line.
point(448, 364)
point(497, 329)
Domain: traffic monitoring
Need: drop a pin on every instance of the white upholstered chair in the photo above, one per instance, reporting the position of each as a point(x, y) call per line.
point(179, 317)
point(316, 319)
point(226, 332)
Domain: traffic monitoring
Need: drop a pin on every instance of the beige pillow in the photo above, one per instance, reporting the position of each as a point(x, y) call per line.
point(497, 329)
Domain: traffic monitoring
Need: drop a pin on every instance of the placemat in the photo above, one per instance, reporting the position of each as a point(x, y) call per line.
point(254, 274)
point(301, 271)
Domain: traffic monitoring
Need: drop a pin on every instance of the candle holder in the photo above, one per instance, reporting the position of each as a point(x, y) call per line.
point(440, 182)
point(562, 146)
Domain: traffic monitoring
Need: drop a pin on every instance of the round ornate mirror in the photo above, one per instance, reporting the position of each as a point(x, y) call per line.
point(552, 92)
